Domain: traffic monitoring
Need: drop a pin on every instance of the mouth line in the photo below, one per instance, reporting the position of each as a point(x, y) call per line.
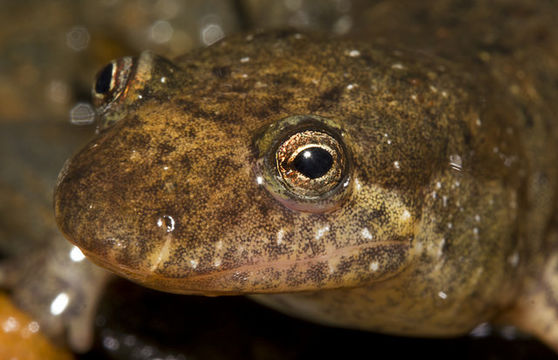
point(226, 282)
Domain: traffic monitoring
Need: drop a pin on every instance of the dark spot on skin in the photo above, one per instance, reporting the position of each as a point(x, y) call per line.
point(139, 140)
point(238, 88)
point(133, 122)
point(326, 99)
point(220, 168)
point(221, 71)
point(467, 136)
point(379, 216)
point(267, 107)
point(185, 162)
point(285, 80)
point(317, 272)
point(226, 117)
point(446, 247)
point(165, 149)
point(195, 109)
point(343, 268)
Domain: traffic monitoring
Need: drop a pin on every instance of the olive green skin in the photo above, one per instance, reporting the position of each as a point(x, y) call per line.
point(444, 221)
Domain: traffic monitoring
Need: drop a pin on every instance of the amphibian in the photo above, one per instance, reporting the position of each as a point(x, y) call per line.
point(355, 184)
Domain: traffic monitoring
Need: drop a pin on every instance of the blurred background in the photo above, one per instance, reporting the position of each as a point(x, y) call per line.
point(50, 51)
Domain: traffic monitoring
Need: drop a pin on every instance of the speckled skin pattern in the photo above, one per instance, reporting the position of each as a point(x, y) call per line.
point(445, 220)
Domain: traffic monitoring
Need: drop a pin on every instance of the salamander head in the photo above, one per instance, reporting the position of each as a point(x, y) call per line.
point(273, 163)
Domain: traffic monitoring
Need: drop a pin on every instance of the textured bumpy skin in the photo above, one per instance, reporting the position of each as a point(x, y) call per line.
point(446, 217)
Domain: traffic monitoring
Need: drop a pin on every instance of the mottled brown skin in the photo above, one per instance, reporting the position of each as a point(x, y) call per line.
point(445, 219)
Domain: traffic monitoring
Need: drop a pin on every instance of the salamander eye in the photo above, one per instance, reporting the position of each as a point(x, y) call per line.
point(311, 163)
point(111, 82)
point(304, 163)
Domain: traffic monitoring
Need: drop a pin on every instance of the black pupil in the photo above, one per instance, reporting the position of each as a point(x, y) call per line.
point(103, 80)
point(313, 162)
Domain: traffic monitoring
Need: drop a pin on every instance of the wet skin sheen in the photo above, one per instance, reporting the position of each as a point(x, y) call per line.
point(349, 183)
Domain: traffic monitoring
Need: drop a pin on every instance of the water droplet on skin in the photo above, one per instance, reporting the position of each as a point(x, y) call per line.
point(397, 165)
point(441, 247)
point(456, 162)
point(514, 259)
point(166, 222)
point(354, 53)
point(374, 266)
point(442, 295)
point(321, 232)
point(366, 234)
point(280, 235)
point(406, 215)
point(245, 59)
